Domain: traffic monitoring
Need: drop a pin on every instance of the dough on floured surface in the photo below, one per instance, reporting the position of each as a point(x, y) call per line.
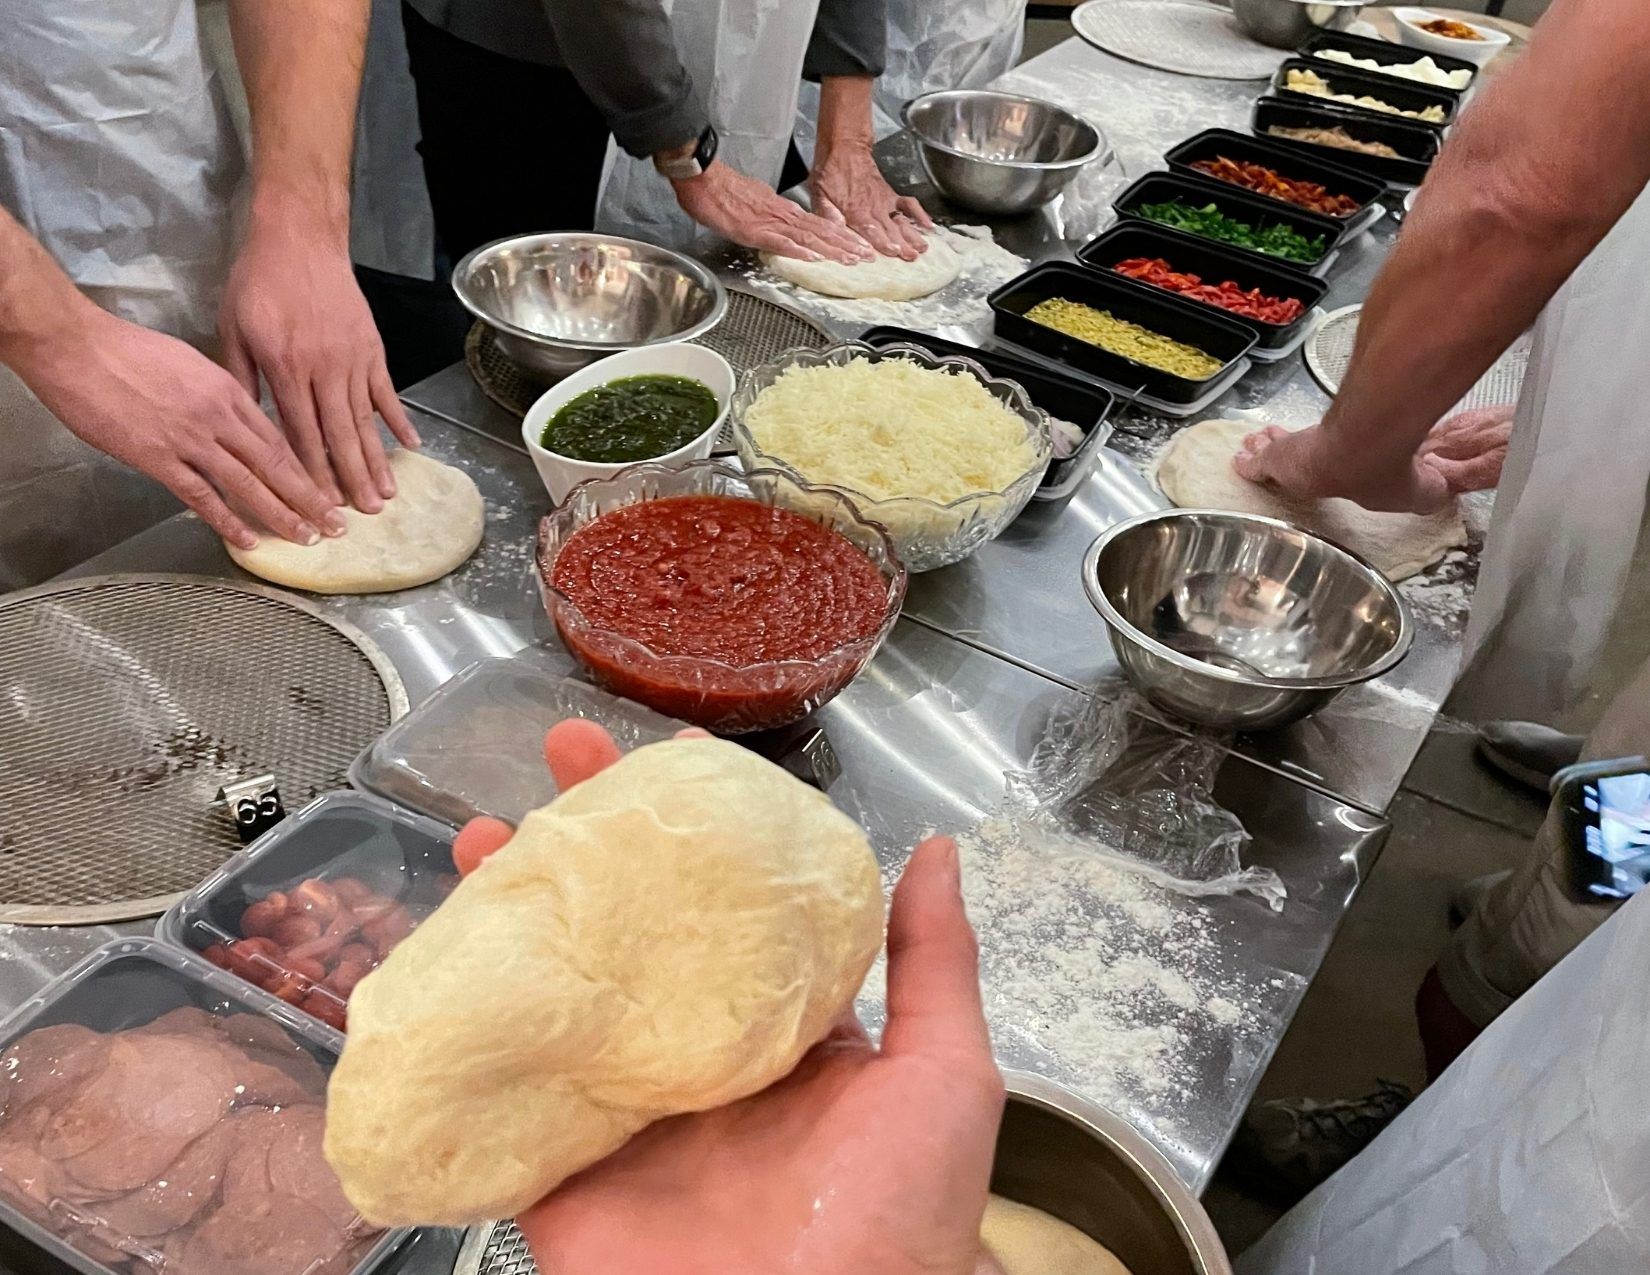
point(1196, 472)
point(669, 936)
point(884, 278)
point(1027, 1241)
point(429, 527)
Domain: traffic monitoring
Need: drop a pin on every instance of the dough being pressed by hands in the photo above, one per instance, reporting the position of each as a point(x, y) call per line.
point(669, 936)
point(1196, 473)
point(428, 528)
point(1027, 1241)
point(885, 278)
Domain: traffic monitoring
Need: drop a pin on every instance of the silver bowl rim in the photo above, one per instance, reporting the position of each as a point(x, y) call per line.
point(1115, 619)
point(1336, 4)
point(695, 269)
point(1153, 1168)
point(907, 111)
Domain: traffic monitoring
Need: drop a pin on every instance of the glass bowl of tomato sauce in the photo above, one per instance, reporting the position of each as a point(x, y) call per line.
point(735, 601)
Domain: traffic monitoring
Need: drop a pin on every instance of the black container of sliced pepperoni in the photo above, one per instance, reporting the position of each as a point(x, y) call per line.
point(159, 1114)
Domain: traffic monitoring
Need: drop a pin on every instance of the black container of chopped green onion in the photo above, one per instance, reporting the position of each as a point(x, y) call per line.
point(1262, 228)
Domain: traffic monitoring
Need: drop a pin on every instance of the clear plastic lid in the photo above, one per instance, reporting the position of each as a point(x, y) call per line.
point(158, 1117)
point(318, 901)
point(475, 746)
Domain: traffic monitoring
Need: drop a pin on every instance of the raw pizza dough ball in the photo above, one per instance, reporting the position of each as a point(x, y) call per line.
point(1027, 1241)
point(428, 528)
point(885, 278)
point(669, 936)
point(1196, 473)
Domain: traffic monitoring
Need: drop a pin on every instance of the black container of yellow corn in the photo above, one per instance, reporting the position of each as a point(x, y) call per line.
point(1129, 337)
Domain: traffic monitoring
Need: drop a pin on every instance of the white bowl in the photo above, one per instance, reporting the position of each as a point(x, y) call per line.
point(1478, 52)
point(561, 474)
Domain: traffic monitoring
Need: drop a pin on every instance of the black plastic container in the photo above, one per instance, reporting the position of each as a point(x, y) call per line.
point(1258, 210)
point(1196, 325)
point(1387, 54)
point(1281, 158)
point(1404, 94)
point(1214, 265)
point(1085, 406)
point(1416, 144)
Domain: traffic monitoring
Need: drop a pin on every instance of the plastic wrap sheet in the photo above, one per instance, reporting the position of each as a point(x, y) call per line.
point(1107, 770)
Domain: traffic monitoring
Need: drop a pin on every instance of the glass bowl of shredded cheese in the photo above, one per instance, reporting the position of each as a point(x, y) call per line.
point(935, 449)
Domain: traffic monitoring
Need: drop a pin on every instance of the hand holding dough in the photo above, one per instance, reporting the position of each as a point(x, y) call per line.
point(428, 528)
point(668, 936)
point(887, 278)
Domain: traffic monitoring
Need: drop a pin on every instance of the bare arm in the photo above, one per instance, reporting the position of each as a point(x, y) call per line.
point(1540, 168)
point(292, 310)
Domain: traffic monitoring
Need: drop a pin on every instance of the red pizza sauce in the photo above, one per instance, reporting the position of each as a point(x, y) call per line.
point(714, 578)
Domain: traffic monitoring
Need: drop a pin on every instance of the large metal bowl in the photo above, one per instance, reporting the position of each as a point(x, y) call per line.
point(1000, 153)
point(1062, 1154)
point(1286, 24)
point(558, 302)
point(1237, 621)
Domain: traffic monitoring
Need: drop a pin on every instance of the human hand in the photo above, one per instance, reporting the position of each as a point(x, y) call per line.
point(743, 210)
point(168, 411)
point(292, 311)
point(1303, 464)
point(863, 1159)
point(1469, 448)
point(849, 189)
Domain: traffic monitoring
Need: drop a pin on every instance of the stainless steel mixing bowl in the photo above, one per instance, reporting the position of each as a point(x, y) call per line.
point(1286, 24)
point(1000, 153)
point(558, 302)
point(1237, 621)
point(1062, 1154)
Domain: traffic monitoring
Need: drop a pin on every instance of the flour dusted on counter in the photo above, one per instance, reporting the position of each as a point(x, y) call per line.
point(985, 265)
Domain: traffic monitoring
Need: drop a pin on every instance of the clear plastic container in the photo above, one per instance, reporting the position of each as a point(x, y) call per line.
point(318, 901)
point(163, 1118)
point(475, 747)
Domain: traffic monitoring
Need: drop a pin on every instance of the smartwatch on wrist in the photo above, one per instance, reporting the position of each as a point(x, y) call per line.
point(695, 162)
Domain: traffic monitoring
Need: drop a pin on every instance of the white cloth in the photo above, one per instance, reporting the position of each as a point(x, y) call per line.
point(391, 226)
point(1572, 494)
point(964, 44)
point(748, 55)
point(1530, 1156)
point(117, 153)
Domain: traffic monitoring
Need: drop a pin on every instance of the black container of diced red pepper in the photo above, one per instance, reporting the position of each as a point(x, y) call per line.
point(1275, 303)
point(1225, 155)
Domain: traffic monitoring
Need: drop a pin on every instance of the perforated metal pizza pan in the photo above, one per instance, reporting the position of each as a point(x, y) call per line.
point(1329, 354)
point(126, 701)
point(498, 1248)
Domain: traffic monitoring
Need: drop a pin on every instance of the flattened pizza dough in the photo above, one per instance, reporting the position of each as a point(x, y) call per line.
point(428, 528)
point(1196, 473)
point(885, 278)
point(1027, 1241)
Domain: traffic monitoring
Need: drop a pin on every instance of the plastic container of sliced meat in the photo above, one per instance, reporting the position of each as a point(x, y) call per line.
point(318, 901)
point(161, 1117)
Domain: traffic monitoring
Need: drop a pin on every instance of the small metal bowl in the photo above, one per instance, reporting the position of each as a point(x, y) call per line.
point(558, 302)
point(1285, 24)
point(1241, 622)
point(1000, 153)
point(1062, 1154)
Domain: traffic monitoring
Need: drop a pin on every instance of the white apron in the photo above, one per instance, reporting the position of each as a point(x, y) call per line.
point(747, 55)
point(1530, 1156)
point(117, 153)
point(1572, 494)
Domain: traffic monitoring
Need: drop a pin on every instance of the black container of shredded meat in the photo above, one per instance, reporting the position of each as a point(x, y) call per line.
point(1406, 95)
point(1214, 265)
point(1286, 161)
point(1257, 211)
point(1387, 54)
point(1416, 144)
point(1222, 339)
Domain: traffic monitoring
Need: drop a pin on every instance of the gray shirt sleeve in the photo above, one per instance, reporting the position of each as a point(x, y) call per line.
point(850, 38)
point(624, 57)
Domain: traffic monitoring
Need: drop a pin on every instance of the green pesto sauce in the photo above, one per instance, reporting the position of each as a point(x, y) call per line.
point(632, 418)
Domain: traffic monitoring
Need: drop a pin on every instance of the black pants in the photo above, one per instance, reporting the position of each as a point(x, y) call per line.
point(509, 147)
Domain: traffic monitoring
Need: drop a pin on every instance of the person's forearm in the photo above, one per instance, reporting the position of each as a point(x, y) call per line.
point(844, 112)
point(39, 305)
point(1534, 176)
point(301, 61)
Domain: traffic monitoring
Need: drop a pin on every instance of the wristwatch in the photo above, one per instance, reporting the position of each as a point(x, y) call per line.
point(694, 163)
